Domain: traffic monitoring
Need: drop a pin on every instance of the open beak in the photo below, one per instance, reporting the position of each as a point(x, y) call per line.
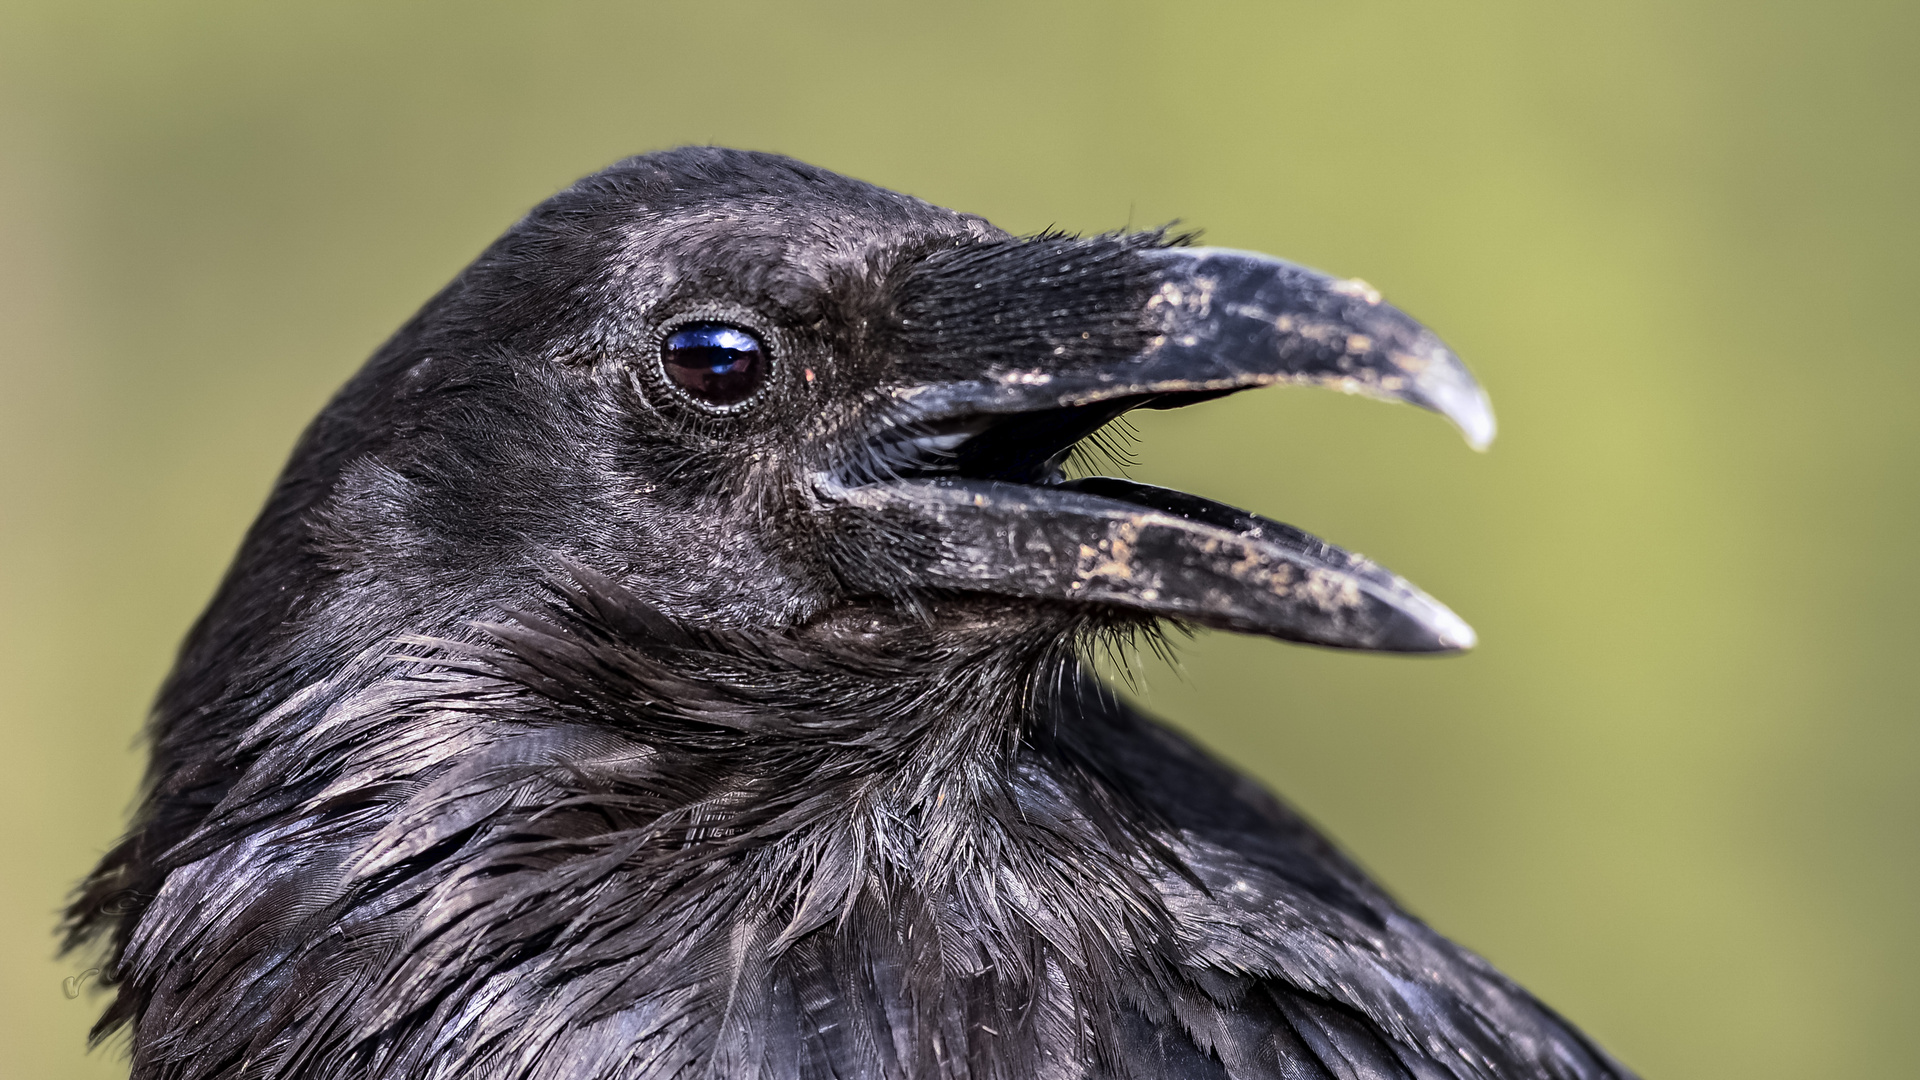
point(964, 490)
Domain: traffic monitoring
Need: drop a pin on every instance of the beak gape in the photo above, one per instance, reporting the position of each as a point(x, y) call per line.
point(1000, 517)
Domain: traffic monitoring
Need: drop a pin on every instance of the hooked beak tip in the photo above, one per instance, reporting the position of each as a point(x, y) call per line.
point(1476, 421)
point(1449, 389)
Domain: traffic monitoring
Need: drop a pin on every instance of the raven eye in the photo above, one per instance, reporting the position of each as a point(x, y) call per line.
point(715, 364)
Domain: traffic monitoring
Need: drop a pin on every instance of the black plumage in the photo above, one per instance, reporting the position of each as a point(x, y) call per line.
point(556, 723)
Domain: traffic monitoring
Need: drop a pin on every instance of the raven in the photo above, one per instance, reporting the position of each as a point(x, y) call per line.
point(667, 657)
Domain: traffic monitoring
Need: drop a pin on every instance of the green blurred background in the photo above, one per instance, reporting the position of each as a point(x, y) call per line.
point(1674, 790)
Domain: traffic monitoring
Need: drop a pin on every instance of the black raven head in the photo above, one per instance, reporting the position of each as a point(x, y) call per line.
point(664, 657)
point(768, 393)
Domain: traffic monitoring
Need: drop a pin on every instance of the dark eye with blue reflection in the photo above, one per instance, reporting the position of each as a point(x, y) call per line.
point(715, 364)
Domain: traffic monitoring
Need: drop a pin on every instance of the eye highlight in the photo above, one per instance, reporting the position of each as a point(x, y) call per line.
point(715, 364)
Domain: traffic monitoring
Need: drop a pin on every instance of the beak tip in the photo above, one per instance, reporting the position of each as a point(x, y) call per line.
point(1428, 626)
point(1453, 393)
point(1455, 635)
point(1477, 423)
